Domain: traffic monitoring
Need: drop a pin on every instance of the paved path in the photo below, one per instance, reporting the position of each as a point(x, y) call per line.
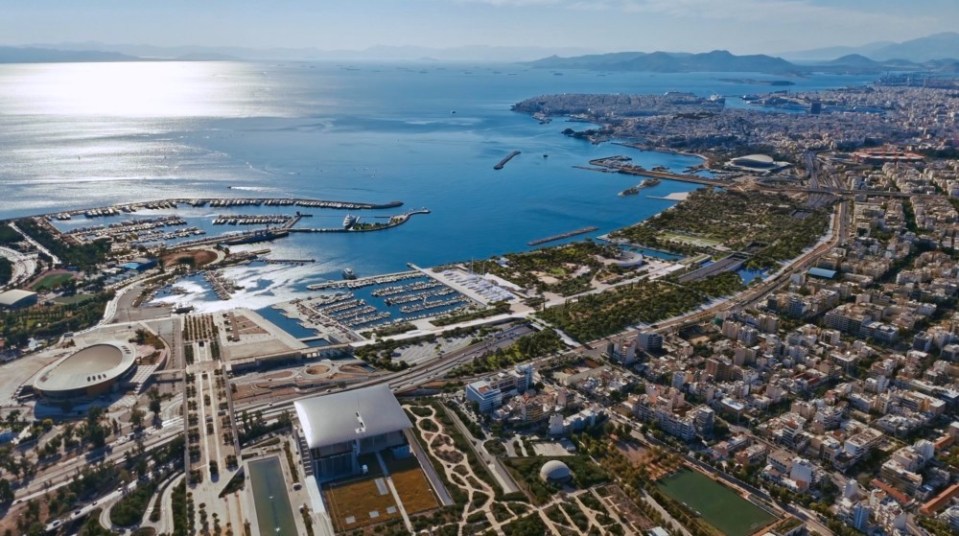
point(502, 476)
point(56, 260)
point(396, 494)
point(166, 522)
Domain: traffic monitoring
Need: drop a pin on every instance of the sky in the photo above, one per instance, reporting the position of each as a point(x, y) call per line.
point(741, 26)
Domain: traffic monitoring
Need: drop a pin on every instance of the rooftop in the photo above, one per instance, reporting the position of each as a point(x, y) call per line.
point(348, 415)
point(88, 366)
point(11, 297)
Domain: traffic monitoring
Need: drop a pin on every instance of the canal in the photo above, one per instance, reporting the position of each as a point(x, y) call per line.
point(274, 514)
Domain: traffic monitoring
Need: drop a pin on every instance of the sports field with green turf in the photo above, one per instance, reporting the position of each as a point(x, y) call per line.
point(718, 505)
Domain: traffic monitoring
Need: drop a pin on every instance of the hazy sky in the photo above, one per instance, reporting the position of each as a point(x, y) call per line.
point(689, 25)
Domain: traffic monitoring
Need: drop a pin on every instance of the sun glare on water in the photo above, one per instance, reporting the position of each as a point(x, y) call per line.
point(123, 89)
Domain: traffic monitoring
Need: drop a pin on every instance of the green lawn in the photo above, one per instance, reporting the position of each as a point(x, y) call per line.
point(715, 503)
point(693, 240)
point(51, 281)
point(76, 298)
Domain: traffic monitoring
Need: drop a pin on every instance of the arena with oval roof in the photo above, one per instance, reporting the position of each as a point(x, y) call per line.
point(88, 372)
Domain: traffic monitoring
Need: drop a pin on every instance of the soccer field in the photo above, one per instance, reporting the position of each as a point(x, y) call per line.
point(716, 504)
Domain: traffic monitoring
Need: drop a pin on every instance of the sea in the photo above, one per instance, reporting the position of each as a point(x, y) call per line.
point(82, 135)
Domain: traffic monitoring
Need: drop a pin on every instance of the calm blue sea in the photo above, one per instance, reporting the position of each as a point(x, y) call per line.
point(80, 135)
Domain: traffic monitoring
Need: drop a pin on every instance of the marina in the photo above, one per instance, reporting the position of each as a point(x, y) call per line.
point(365, 281)
point(174, 203)
point(422, 296)
point(400, 289)
point(372, 302)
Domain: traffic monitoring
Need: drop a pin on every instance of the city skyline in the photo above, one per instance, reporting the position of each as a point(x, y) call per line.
point(776, 27)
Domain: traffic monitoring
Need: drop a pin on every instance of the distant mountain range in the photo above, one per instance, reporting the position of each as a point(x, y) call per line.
point(46, 55)
point(924, 49)
point(930, 53)
point(376, 53)
point(721, 61)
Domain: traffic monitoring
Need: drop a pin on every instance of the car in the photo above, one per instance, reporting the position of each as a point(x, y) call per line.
point(94, 503)
point(56, 523)
point(78, 512)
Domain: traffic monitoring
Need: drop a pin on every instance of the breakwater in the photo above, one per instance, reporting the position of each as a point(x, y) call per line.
point(561, 236)
point(218, 202)
point(499, 165)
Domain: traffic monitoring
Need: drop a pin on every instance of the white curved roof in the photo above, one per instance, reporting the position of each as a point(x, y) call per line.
point(88, 366)
point(758, 158)
point(12, 297)
point(555, 470)
point(348, 415)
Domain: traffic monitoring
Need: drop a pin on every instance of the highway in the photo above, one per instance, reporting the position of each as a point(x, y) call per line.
point(404, 380)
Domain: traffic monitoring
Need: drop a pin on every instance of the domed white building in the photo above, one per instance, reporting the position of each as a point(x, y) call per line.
point(555, 471)
point(88, 372)
point(757, 163)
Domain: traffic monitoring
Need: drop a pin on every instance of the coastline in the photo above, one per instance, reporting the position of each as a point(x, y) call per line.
point(667, 150)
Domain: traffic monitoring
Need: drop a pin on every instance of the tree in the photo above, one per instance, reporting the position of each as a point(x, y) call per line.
point(136, 417)
point(95, 433)
point(13, 417)
point(284, 419)
point(154, 402)
point(6, 491)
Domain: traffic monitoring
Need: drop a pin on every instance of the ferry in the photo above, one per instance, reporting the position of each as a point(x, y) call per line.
point(348, 273)
point(350, 220)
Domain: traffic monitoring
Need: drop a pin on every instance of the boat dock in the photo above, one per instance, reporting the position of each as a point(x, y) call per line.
point(222, 287)
point(569, 234)
point(402, 289)
point(295, 262)
point(253, 219)
point(499, 165)
point(365, 281)
point(394, 221)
